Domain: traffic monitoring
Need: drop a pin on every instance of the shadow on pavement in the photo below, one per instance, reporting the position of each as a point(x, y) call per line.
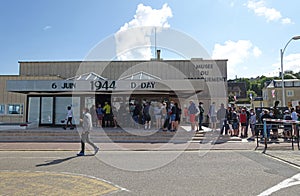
point(56, 161)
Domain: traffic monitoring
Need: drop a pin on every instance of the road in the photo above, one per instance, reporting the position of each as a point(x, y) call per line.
point(143, 173)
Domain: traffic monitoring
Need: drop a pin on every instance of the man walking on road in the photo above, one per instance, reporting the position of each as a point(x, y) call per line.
point(87, 126)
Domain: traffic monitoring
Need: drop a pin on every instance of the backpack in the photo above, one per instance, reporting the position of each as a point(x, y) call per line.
point(193, 109)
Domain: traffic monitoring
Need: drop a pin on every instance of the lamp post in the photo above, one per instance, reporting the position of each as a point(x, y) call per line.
point(281, 60)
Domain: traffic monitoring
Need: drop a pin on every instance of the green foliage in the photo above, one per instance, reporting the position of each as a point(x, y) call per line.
point(255, 85)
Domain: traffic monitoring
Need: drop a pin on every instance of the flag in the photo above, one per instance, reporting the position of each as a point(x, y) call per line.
point(273, 93)
point(235, 99)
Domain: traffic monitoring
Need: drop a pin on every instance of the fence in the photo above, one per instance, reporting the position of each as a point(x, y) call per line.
point(278, 122)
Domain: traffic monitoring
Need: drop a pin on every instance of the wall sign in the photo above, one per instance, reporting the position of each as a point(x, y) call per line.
point(100, 85)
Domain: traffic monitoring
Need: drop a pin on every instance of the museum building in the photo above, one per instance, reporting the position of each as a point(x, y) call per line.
point(43, 89)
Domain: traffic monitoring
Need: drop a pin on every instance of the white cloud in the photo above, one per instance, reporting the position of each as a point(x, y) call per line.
point(271, 14)
point(286, 21)
point(47, 28)
point(256, 51)
point(290, 62)
point(236, 53)
point(133, 40)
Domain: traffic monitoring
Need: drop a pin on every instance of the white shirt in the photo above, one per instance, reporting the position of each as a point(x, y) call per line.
point(70, 113)
point(87, 122)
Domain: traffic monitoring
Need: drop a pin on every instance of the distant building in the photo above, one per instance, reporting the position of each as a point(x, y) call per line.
point(272, 92)
point(237, 89)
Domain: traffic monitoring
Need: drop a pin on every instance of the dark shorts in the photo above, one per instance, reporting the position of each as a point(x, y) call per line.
point(69, 119)
point(173, 117)
point(100, 116)
point(147, 118)
point(235, 125)
point(107, 117)
point(244, 124)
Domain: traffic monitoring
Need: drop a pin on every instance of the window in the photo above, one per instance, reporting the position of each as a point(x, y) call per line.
point(290, 93)
point(2, 109)
point(288, 84)
point(46, 110)
point(296, 83)
point(34, 109)
point(61, 108)
point(15, 108)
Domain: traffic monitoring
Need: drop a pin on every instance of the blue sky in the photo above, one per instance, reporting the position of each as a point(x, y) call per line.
point(249, 33)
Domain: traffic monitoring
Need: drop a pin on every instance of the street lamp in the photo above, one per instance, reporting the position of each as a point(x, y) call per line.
point(281, 59)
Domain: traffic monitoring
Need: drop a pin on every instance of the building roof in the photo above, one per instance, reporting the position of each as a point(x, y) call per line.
point(140, 76)
point(88, 76)
point(277, 83)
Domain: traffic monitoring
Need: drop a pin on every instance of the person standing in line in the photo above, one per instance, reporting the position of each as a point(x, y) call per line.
point(221, 116)
point(192, 113)
point(197, 119)
point(298, 112)
point(294, 116)
point(201, 115)
point(173, 111)
point(114, 116)
point(147, 116)
point(157, 113)
point(235, 122)
point(178, 116)
point(213, 115)
point(87, 126)
point(243, 121)
point(276, 115)
point(136, 114)
point(69, 118)
point(252, 124)
point(247, 121)
point(287, 133)
point(164, 115)
point(269, 126)
point(228, 128)
point(107, 114)
point(100, 114)
point(94, 115)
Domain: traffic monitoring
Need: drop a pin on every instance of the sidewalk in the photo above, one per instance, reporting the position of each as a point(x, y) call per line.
point(50, 138)
point(57, 139)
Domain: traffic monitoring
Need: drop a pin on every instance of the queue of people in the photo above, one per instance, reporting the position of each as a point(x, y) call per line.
point(238, 120)
point(166, 116)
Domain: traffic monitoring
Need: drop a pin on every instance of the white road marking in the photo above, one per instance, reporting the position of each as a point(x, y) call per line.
point(292, 181)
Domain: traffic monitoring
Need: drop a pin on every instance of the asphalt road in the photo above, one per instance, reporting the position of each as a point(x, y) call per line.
point(145, 173)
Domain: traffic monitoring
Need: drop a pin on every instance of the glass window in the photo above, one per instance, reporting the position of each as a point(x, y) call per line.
point(288, 83)
point(61, 104)
point(290, 93)
point(34, 109)
point(47, 110)
point(15, 108)
point(296, 83)
point(2, 109)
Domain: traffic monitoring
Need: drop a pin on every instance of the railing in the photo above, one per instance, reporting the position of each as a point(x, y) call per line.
point(294, 137)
